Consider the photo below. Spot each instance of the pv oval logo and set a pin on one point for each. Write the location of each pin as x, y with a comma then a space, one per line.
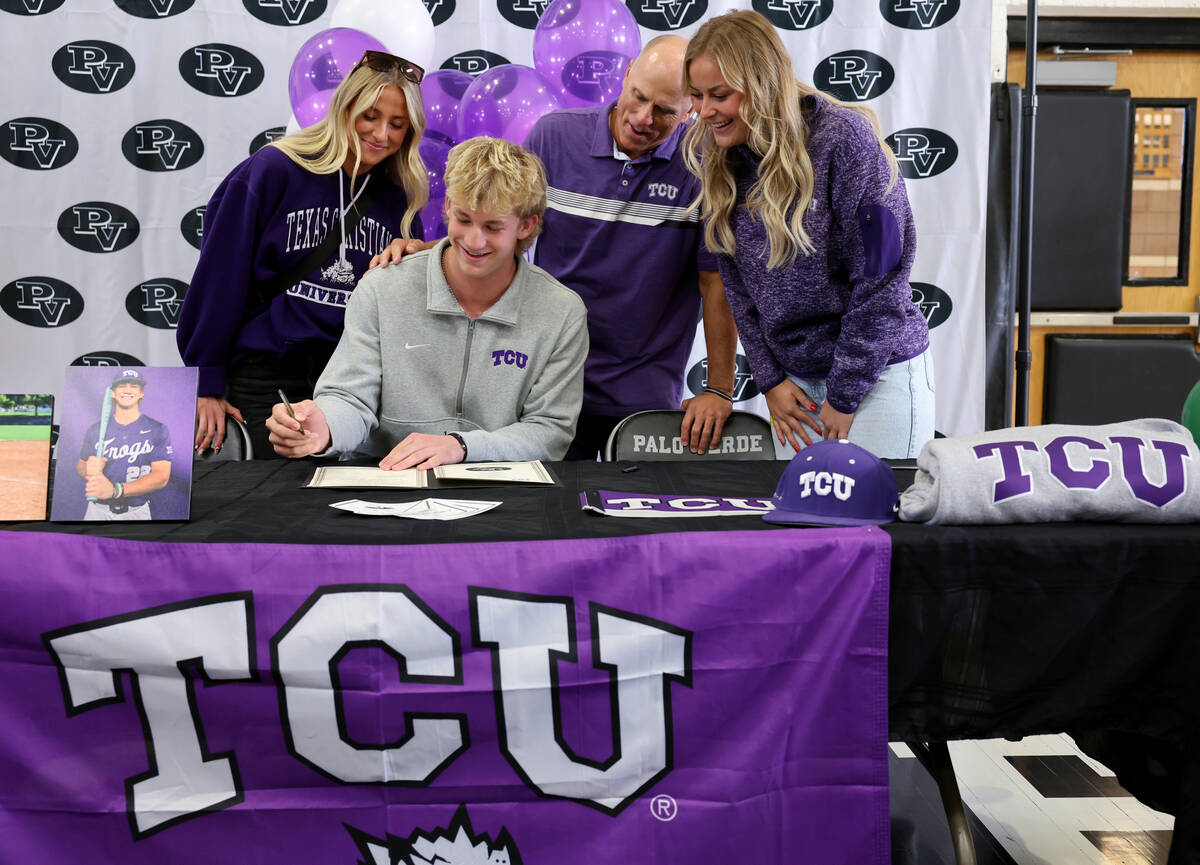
794, 14
162, 145
523, 13
594, 75
37, 143
475, 62
192, 226
106, 357
934, 303
30, 7
286, 13
922, 152
258, 142
98, 226
156, 302
93, 66
854, 76
744, 387
41, 301
154, 9
440, 10
221, 70
918, 14
667, 14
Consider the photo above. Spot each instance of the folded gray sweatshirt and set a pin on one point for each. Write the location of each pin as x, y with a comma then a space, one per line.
1141, 471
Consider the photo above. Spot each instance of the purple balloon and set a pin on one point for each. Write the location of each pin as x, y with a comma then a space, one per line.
320, 65
505, 102
433, 153
583, 48
441, 94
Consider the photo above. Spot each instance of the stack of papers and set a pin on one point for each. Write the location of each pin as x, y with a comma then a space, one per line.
425, 509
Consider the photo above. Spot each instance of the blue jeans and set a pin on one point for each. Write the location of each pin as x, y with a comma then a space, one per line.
895, 418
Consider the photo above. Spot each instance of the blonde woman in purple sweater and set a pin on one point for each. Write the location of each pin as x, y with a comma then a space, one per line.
803, 204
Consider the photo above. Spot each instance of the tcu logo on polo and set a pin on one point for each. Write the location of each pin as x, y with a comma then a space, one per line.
824, 484
508, 357
218, 64
523, 634
38, 140
1129, 449
664, 190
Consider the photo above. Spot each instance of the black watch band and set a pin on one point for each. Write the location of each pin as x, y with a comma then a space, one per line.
462, 442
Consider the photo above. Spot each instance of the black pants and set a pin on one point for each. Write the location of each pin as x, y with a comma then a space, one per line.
591, 435
254, 381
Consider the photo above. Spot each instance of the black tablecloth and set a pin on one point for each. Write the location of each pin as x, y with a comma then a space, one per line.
1089, 629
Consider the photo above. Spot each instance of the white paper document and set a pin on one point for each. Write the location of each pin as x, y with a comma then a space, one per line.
372, 477
424, 509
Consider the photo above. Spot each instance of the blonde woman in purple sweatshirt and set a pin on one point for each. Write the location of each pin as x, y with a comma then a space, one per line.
803, 204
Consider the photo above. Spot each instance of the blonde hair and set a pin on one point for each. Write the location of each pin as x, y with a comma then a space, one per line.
496, 176
324, 147
753, 61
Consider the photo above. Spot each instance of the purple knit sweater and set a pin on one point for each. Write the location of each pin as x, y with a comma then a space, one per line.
845, 311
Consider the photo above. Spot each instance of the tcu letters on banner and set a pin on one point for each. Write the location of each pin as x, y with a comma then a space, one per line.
455, 704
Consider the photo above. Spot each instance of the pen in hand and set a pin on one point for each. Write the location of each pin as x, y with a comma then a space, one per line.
286, 404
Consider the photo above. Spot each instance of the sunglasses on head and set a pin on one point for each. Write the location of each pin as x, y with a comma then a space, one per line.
381, 61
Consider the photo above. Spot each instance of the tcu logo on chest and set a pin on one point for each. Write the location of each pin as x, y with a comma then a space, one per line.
663, 190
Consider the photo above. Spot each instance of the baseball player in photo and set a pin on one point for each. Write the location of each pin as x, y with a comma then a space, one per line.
125, 456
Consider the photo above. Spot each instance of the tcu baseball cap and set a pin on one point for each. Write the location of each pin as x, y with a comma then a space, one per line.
835, 483
129, 376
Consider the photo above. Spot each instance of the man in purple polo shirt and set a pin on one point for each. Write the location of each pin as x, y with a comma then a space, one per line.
618, 232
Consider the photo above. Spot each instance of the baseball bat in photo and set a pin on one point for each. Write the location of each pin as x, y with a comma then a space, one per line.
105, 414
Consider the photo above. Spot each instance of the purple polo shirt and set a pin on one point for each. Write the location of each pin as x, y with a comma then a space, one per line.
618, 232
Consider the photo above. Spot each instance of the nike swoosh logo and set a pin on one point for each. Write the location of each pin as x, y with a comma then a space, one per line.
143, 431
422, 345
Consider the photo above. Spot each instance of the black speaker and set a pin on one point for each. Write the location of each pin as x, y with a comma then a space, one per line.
1082, 171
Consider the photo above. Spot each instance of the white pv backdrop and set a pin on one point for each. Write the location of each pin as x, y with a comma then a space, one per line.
122, 116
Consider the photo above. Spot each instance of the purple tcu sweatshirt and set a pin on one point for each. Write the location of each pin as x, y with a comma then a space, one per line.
845, 311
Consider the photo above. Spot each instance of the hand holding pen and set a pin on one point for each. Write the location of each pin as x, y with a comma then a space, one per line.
298, 430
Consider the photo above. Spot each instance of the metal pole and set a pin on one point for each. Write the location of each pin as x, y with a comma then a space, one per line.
1024, 357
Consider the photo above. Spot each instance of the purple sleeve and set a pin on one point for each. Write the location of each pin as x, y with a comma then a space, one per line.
873, 238
766, 370
216, 298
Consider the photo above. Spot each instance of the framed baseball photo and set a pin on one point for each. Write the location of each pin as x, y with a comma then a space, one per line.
25, 422
125, 444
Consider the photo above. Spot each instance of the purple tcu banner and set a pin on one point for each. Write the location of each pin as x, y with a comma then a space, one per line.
688, 698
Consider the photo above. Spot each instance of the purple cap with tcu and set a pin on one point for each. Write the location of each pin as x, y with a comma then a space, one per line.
835, 483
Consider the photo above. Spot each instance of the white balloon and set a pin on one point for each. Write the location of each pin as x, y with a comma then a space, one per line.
403, 26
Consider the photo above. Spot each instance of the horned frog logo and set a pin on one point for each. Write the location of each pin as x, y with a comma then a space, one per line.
457, 844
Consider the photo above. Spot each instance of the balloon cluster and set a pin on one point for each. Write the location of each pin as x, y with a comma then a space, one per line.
400, 27
581, 49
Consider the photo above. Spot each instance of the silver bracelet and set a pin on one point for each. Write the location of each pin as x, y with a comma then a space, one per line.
718, 393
